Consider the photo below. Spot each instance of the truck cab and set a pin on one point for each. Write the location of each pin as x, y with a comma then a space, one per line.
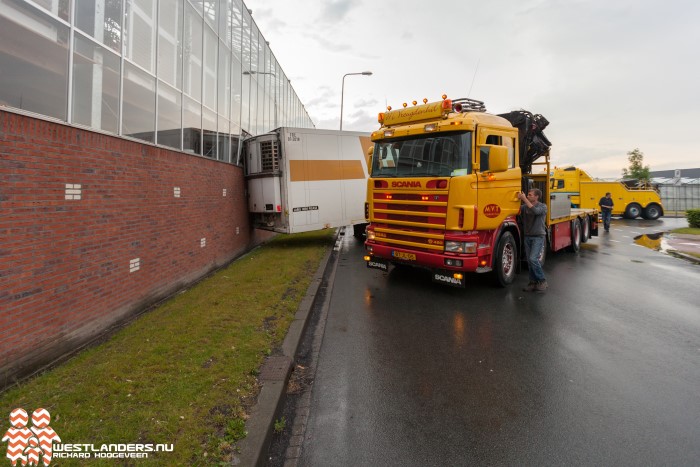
443, 186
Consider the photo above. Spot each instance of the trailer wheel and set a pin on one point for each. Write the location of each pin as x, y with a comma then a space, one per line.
585, 229
633, 211
575, 235
652, 212
505, 260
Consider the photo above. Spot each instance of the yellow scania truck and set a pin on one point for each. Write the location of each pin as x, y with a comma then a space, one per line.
443, 185
628, 201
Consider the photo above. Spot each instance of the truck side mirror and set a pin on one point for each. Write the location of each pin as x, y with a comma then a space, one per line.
498, 159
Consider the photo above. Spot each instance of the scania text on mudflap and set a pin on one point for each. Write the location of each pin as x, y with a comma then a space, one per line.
377, 264
443, 185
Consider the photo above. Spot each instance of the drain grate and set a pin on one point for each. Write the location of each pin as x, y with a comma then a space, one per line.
275, 369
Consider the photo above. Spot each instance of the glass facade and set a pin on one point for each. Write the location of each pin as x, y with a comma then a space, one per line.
192, 75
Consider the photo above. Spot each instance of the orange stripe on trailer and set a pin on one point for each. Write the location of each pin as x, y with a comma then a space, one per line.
318, 170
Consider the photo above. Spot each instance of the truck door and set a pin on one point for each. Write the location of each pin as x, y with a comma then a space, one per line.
496, 191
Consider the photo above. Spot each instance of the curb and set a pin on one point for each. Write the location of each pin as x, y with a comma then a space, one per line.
274, 376
681, 255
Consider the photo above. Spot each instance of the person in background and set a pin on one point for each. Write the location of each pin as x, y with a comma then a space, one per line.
533, 214
606, 205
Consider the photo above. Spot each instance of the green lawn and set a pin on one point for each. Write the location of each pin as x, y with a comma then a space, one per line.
184, 372
687, 230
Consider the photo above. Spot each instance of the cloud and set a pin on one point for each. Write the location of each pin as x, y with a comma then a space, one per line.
610, 76
272, 22
328, 43
364, 102
321, 98
337, 10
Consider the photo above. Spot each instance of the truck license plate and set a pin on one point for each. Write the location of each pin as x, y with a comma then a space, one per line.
403, 256
375, 263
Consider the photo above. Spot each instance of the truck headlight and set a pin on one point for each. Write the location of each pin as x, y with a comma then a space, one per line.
370, 235
460, 247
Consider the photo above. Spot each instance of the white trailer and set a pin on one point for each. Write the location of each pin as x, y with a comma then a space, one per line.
304, 179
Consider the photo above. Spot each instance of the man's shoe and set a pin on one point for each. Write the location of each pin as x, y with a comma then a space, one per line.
530, 287
541, 286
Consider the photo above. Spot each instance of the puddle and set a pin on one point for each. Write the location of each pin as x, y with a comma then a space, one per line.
655, 241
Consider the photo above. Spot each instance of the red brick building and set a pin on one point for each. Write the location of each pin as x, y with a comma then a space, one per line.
121, 179
94, 228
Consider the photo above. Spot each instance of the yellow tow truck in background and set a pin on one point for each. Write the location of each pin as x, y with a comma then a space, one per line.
630, 200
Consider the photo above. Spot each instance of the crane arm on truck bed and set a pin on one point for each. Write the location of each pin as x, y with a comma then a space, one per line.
532, 141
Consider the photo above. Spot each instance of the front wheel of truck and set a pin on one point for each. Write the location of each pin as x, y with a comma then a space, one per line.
505, 260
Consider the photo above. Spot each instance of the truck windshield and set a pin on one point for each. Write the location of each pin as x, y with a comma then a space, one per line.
441, 155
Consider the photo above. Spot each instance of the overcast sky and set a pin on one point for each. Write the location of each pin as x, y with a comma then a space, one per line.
609, 75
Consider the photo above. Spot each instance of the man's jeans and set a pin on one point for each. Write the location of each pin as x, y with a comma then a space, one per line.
607, 214
533, 250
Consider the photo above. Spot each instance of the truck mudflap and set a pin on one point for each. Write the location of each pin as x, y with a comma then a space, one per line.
377, 263
448, 277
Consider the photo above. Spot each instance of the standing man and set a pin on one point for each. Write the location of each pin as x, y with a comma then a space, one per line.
533, 214
606, 205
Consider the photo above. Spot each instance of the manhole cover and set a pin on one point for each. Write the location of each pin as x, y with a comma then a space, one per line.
275, 369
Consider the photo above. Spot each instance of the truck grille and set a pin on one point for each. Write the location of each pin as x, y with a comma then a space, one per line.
269, 156
416, 220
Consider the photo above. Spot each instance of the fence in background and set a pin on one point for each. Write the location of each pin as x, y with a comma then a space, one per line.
679, 198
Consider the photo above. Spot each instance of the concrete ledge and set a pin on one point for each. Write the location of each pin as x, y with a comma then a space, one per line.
681, 255
254, 447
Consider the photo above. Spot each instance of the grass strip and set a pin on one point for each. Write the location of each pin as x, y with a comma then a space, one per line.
687, 231
184, 372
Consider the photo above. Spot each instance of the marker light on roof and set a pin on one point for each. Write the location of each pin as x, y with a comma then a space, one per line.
415, 102
425, 101
405, 105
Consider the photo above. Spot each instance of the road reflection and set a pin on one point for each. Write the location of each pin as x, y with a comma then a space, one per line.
651, 241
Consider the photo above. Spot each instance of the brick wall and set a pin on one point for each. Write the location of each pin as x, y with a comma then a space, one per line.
95, 228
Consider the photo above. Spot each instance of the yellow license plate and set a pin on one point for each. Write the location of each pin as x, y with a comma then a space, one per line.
403, 256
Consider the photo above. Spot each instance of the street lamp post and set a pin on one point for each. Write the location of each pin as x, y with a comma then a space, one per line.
342, 92
275, 96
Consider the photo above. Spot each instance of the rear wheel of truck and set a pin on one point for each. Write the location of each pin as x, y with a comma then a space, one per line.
633, 211
505, 260
575, 235
652, 212
585, 229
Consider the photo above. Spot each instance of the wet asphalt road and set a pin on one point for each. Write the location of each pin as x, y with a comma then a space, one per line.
603, 369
